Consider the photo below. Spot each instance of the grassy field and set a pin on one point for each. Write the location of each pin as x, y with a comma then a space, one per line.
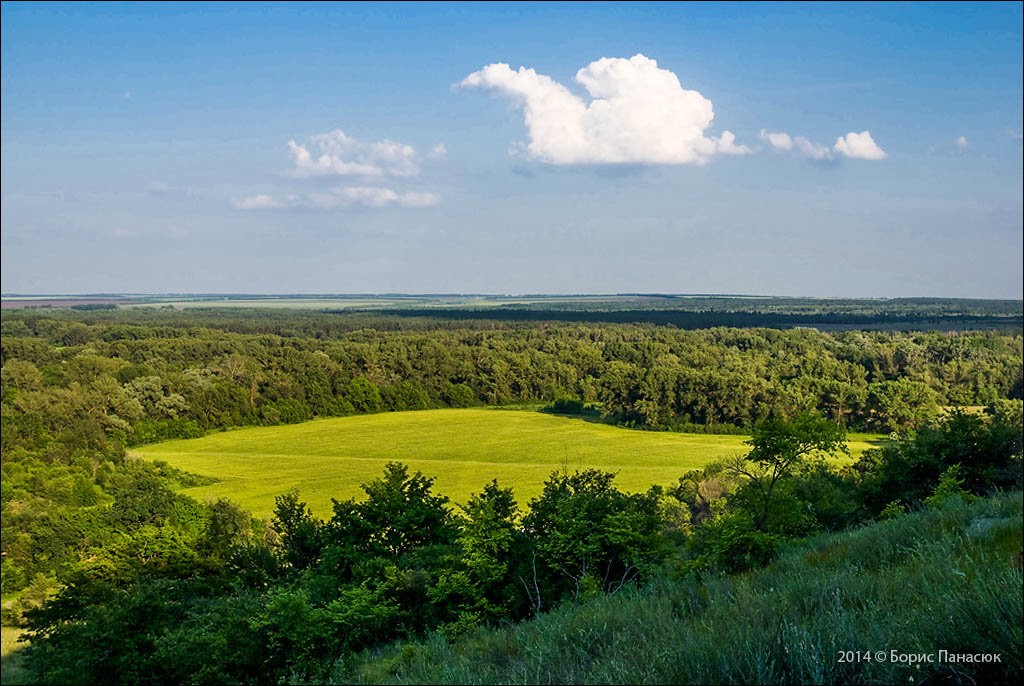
463, 449
12, 670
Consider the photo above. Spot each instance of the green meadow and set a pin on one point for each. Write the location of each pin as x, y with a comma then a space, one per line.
463, 449
13, 671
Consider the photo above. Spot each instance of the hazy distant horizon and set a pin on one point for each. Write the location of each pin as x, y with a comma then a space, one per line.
465, 294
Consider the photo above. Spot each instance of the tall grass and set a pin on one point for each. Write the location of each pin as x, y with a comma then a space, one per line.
941, 579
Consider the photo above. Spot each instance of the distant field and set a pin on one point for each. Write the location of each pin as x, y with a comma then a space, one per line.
342, 302
463, 449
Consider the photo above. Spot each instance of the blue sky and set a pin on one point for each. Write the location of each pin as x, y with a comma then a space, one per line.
383, 148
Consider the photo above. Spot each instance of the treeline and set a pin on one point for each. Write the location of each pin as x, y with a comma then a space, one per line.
181, 592
706, 319
286, 367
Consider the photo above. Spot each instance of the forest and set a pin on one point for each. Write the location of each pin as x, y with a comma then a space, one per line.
116, 577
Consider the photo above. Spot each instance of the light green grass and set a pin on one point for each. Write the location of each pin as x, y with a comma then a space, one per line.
463, 449
10, 642
13, 671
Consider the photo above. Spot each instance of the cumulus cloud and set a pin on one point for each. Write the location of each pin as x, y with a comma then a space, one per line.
336, 153
807, 148
726, 145
859, 146
779, 141
961, 143
855, 145
343, 197
638, 113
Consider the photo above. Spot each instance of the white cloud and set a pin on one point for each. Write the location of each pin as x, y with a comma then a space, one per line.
856, 145
343, 197
811, 149
340, 154
258, 202
961, 143
438, 152
860, 146
779, 141
419, 199
726, 145
638, 113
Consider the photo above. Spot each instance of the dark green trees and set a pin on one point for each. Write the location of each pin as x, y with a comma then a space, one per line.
778, 447
589, 537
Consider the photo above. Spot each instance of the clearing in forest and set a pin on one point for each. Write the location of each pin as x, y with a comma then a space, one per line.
462, 449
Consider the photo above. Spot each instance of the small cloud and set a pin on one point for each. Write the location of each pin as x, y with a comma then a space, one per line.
438, 152
803, 146
371, 196
258, 202
418, 199
726, 145
638, 113
812, 150
127, 95
779, 141
854, 145
342, 155
343, 197
860, 146
961, 143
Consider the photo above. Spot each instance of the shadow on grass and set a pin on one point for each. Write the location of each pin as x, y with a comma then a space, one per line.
12, 667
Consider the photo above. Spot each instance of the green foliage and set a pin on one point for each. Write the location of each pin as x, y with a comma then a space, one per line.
566, 406
121, 579
140, 497
301, 534
588, 536
950, 486
400, 512
494, 548
892, 510
786, 623
459, 395
778, 448
987, 450
731, 543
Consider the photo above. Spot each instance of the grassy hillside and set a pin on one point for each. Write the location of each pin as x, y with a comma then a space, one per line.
942, 579
464, 449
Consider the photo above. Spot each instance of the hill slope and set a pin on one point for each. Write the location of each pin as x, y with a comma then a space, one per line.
946, 579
